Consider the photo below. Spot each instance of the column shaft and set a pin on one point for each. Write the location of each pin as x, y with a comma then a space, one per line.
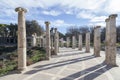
88, 42
111, 40
68, 42
48, 52
21, 39
97, 45
73, 42
80, 42
56, 41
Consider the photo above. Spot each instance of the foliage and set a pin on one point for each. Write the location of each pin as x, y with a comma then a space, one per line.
10, 30
61, 36
8, 60
33, 27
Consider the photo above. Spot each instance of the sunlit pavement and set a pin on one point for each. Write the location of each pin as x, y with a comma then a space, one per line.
69, 64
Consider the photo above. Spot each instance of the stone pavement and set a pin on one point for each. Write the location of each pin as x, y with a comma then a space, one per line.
70, 64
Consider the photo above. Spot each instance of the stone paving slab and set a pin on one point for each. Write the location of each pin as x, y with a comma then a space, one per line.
69, 64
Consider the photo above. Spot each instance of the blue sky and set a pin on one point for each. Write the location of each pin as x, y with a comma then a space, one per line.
61, 13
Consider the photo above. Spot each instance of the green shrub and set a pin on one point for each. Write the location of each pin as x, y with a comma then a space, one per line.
35, 54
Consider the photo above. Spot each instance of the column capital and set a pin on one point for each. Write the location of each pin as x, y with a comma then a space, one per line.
113, 16
106, 20
47, 23
97, 27
55, 29
19, 9
88, 32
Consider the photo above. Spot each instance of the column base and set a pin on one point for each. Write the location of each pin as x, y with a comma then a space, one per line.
110, 65
47, 58
22, 69
97, 55
80, 49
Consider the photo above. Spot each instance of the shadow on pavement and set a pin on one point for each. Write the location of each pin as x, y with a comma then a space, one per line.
59, 64
91, 73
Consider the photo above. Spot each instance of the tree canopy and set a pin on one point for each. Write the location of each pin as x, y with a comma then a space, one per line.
10, 30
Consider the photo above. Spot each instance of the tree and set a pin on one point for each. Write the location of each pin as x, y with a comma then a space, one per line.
33, 27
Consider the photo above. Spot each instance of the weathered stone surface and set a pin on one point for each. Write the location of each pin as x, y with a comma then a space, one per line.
73, 42
68, 42
21, 38
97, 44
56, 41
34, 41
111, 40
48, 52
62, 44
87, 42
80, 42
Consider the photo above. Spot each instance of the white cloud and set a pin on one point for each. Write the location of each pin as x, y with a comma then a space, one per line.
85, 15
56, 23
112, 6
102, 24
85, 9
60, 23
83, 4
98, 19
52, 13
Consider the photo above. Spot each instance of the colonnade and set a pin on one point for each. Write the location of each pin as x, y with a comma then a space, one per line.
110, 50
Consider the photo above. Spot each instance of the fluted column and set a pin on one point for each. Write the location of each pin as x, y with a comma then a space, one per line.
111, 40
80, 42
73, 42
56, 41
21, 38
48, 52
97, 45
88, 42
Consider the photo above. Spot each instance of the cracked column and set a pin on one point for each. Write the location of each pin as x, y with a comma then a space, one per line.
73, 42
80, 42
48, 52
56, 41
97, 45
68, 42
21, 38
87, 42
111, 40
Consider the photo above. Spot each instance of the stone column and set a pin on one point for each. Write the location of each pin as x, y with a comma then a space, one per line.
40, 42
34, 41
56, 42
97, 45
68, 42
62, 44
111, 40
73, 42
87, 42
48, 52
21, 38
106, 40
80, 42
43, 42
